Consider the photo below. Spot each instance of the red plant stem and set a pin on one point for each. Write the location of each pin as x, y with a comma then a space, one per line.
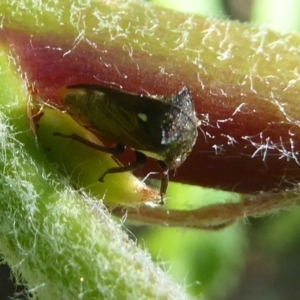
244, 82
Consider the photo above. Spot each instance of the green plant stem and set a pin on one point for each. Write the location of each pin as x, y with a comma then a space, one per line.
64, 244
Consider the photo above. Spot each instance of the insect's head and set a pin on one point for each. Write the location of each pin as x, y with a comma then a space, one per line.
179, 129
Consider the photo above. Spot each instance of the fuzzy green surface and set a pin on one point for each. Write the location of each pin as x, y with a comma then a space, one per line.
64, 244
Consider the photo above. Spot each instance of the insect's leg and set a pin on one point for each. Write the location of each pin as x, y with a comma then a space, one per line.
140, 161
119, 149
164, 181
163, 185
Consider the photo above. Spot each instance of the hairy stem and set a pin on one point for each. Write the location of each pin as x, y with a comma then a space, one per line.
63, 243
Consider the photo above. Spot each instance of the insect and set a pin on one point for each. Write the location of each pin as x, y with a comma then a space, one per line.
161, 127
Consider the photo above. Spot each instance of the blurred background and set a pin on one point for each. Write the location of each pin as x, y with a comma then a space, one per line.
253, 259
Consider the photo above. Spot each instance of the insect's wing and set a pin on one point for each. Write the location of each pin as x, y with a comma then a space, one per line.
163, 126
114, 115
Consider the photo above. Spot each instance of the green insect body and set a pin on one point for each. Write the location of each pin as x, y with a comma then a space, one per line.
161, 127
